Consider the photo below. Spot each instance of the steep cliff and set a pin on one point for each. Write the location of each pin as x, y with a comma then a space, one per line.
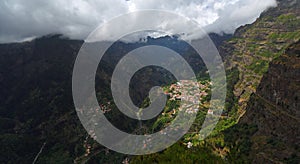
254, 46
275, 110
263, 77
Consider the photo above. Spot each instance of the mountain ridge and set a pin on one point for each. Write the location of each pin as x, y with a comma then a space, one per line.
37, 108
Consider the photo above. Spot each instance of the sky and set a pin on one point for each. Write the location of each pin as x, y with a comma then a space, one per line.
22, 20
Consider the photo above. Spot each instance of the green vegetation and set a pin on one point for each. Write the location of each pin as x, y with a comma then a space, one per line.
289, 20
238, 138
178, 153
259, 67
283, 36
231, 100
44, 113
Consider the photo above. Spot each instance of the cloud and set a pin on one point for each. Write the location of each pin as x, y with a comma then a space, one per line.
21, 19
240, 13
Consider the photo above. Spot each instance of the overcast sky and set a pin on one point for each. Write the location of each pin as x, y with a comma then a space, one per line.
24, 19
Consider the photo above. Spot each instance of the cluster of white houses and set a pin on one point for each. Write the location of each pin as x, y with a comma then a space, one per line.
190, 92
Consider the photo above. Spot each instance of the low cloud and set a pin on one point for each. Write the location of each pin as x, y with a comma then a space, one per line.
21, 20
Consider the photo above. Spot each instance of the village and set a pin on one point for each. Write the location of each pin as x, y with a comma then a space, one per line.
193, 94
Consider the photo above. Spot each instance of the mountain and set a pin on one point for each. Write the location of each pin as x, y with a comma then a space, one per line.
36, 101
37, 108
264, 57
254, 46
269, 131
247, 134
274, 110
38, 120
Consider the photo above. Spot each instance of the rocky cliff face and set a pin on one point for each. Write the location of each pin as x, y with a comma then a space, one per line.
254, 46
36, 103
266, 55
275, 110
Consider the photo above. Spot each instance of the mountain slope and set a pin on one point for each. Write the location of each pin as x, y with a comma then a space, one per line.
248, 55
275, 110
36, 102
36, 105
254, 46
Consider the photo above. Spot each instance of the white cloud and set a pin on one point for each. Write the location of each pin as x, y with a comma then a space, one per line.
77, 18
240, 13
